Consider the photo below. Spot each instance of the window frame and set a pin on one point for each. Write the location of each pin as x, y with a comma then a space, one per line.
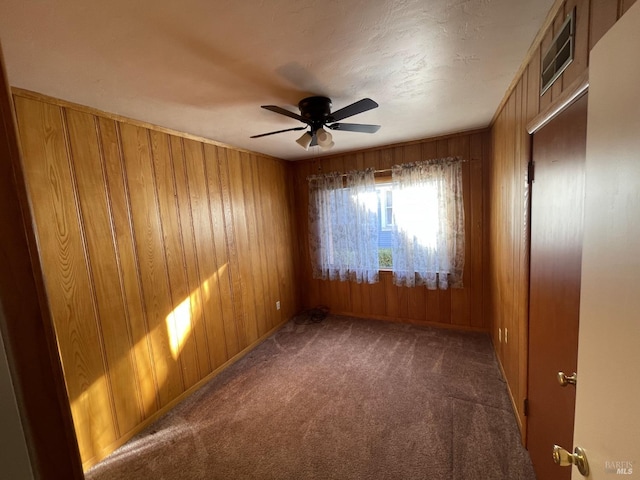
386, 180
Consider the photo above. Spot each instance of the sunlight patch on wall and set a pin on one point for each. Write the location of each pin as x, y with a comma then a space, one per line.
181, 319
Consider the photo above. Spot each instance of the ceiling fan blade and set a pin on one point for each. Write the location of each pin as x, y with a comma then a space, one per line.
355, 127
283, 111
353, 109
278, 131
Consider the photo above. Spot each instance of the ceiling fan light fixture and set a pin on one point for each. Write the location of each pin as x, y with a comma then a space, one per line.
325, 140
305, 140
327, 146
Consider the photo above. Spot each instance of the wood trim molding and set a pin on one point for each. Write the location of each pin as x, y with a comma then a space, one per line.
529, 56
20, 92
566, 98
446, 136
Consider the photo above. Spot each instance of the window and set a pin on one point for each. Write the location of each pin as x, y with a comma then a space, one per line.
428, 232
385, 197
413, 225
343, 226
385, 209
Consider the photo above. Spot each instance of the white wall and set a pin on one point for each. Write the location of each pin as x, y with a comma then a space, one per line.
14, 457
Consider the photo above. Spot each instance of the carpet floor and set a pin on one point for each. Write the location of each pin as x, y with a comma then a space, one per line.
343, 399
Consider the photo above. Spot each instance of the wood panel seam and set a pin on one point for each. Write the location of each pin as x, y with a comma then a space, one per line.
226, 243
134, 242
196, 255
167, 279
213, 246
118, 265
86, 257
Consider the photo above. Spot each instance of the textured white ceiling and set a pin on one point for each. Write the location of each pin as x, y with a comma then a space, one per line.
205, 67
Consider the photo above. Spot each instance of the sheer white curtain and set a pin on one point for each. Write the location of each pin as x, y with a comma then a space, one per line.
428, 224
343, 226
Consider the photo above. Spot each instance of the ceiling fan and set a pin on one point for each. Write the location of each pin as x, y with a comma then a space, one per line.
316, 113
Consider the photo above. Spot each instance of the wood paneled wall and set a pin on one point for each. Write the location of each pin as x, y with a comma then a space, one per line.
462, 308
163, 259
509, 195
27, 331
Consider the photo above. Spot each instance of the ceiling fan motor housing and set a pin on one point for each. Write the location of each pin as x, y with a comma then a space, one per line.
316, 109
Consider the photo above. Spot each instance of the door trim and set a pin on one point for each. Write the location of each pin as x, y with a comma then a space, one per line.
566, 98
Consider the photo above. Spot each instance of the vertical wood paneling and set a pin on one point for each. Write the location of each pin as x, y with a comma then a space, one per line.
266, 179
49, 181
121, 243
151, 256
625, 5
508, 291
192, 271
232, 249
207, 267
459, 307
115, 332
249, 326
267, 254
355, 293
179, 319
476, 219
220, 246
390, 296
603, 14
377, 297
128, 267
289, 238
148, 283
254, 243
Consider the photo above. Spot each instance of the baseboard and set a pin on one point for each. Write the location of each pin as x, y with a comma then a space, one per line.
106, 451
514, 404
410, 321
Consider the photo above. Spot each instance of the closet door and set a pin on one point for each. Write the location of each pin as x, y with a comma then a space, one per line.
556, 249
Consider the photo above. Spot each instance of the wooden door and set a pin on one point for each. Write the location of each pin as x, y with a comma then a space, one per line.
607, 419
556, 250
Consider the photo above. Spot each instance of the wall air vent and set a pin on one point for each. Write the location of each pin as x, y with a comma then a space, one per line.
559, 54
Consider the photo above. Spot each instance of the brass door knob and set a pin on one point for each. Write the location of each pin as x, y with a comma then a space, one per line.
577, 458
565, 380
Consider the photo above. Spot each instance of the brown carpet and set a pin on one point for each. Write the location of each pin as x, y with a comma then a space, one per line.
343, 399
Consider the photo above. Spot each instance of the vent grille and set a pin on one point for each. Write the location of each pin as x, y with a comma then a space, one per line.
559, 54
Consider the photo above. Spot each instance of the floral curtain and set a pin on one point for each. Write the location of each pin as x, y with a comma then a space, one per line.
428, 224
343, 226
